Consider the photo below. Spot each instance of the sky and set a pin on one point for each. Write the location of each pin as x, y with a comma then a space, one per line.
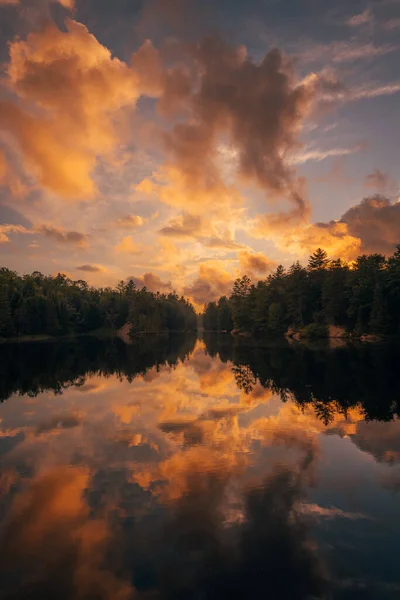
184, 143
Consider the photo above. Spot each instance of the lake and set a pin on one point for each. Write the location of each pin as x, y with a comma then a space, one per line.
184, 468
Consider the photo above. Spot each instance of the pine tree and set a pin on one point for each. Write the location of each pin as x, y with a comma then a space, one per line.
318, 261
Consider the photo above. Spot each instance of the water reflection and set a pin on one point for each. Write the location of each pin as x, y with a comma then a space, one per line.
181, 469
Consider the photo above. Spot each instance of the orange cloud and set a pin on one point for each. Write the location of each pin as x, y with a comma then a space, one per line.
152, 282
255, 263
130, 221
127, 245
69, 87
335, 237
69, 4
212, 282
7, 229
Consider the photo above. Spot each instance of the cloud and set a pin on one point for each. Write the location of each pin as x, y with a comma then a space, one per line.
222, 242
255, 263
185, 225
90, 268
377, 180
360, 19
215, 232
130, 221
371, 226
318, 155
6, 228
64, 237
69, 4
212, 282
376, 222
127, 246
69, 90
392, 24
335, 237
345, 51
9, 177
374, 91
258, 107
152, 282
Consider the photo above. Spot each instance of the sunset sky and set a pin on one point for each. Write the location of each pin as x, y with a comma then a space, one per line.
185, 143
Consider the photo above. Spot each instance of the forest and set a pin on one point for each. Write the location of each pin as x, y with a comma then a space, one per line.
362, 297
36, 304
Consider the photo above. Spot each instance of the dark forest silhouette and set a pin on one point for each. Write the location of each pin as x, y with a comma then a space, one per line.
362, 298
37, 304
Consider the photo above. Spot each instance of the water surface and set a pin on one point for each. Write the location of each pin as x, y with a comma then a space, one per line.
199, 469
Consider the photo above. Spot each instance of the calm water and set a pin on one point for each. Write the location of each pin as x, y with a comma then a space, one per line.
199, 469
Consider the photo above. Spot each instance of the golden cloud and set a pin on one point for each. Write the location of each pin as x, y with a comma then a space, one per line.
212, 282
127, 246
69, 88
255, 263
334, 237
152, 282
130, 221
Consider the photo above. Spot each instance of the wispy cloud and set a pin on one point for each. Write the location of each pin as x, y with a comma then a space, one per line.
360, 19
318, 154
343, 52
392, 24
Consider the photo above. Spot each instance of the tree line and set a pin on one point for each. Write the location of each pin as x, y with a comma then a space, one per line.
36, 304
362, 297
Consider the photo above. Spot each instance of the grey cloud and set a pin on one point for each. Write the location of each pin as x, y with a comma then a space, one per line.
65, 237
377, 180
89, 268
376, 221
